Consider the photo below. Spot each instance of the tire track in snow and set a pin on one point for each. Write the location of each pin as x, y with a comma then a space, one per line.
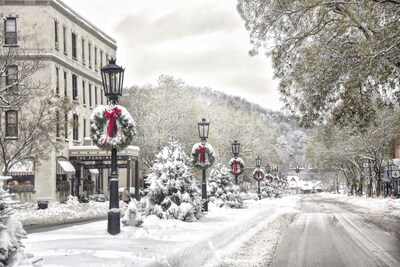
260, 248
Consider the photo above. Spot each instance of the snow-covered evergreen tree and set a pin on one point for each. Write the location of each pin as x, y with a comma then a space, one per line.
221, 191
11, 233
173, 193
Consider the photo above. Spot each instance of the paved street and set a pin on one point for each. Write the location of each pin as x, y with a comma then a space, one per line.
327, 233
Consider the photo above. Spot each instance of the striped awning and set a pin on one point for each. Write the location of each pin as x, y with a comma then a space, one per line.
21, 168
65, 167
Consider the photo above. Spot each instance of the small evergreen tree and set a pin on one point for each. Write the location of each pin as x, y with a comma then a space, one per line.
173, 193
221, 191
11, 233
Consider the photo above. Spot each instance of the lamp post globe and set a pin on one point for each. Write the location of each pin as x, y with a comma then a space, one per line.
204, 127
258, 162
112, 76
235, 148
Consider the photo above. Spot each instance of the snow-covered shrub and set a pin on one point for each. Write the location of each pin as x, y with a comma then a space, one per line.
11, 232
221, 191
173, 193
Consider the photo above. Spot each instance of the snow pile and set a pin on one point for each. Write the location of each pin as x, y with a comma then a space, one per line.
371, 205
221, 191
57, 213
173, 193
133, 216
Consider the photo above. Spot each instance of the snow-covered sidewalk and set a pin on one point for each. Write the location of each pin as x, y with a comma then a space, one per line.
157, 242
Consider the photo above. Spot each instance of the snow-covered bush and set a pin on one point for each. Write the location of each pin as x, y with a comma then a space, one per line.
173, 193
221, 191
11, 232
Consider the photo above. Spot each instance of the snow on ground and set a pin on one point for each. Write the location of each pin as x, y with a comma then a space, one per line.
57, 213
217, 239
372, 205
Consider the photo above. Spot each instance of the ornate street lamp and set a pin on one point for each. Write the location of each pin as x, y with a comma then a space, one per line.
112, 76
235, 152
258, 174
204, 127
367, 169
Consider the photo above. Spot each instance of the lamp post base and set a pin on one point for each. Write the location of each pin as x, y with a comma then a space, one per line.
114, 225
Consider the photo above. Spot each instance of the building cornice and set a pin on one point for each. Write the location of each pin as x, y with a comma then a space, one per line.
69, 13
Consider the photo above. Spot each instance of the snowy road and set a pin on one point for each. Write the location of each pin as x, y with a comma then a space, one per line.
328, 233
297, 230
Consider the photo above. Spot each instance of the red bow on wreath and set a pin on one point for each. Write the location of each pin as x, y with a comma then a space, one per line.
202, 151
112, 116
235, 169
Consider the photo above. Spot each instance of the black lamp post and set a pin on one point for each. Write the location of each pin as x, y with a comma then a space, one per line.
203, 134
235, 152
113, 76
258, 164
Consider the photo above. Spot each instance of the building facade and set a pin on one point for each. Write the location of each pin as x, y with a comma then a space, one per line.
75, 51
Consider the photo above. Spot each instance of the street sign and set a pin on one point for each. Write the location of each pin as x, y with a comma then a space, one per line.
395, 174
103, 166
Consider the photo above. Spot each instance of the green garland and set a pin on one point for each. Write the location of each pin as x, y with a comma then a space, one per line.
124, 136
209, 160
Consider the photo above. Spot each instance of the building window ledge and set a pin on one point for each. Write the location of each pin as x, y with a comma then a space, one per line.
10, 45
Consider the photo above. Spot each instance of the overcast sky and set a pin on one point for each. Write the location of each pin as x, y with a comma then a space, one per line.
202, 42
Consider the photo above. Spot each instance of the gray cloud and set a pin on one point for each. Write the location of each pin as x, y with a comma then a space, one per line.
203, 47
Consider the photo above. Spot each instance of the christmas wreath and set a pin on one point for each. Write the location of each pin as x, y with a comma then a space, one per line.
258, 174
117, 117
269, 177
203, 156
237, 166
